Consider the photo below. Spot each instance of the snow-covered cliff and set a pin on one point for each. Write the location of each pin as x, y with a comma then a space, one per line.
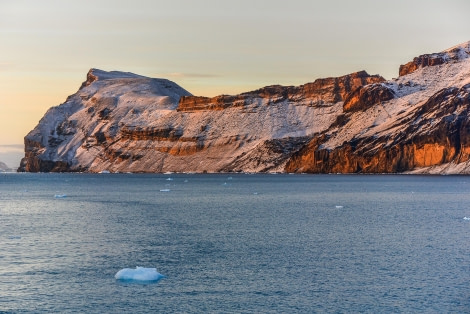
422, 126
122, 122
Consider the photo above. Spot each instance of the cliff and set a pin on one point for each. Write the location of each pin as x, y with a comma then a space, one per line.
357, 123
418, 123
322, 91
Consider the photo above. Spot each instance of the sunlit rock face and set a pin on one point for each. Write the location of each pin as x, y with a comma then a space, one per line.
367, 96
418, 123
357, 123
322, 91
453, 54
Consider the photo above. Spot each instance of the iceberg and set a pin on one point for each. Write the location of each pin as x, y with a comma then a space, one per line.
139, 274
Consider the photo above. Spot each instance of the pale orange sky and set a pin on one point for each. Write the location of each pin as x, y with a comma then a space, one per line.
209, 47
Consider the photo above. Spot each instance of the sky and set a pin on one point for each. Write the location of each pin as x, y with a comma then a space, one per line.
209, 47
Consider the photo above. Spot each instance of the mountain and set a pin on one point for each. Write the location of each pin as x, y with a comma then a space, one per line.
357, 123
4, 167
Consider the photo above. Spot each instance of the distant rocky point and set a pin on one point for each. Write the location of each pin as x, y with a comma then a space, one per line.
357, 123
4, 167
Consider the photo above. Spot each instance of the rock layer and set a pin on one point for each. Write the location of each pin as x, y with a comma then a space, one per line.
327, 90
367, 96
453, 54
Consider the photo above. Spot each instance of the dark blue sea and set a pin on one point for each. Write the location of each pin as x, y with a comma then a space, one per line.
235, 243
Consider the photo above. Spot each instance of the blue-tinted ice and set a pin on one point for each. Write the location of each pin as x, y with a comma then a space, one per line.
139, 274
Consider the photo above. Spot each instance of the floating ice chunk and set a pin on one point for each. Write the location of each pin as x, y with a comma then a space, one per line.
104, 171
185, 181
466, 218
139, 274
229, 178
165, 190
339, 206
60, 196
169, 179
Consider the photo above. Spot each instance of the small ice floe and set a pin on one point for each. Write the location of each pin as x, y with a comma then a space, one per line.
165, 190
139, 275
104, 171
339, 206
229, 178
466, 218
60, 196
169, 179
255, 193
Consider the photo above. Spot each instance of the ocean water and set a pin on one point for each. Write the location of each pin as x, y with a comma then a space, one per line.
235, 243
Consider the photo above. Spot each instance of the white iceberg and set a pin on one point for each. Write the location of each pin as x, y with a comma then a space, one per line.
139, 274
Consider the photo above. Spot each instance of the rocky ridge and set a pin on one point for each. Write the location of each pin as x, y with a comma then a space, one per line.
357, 123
